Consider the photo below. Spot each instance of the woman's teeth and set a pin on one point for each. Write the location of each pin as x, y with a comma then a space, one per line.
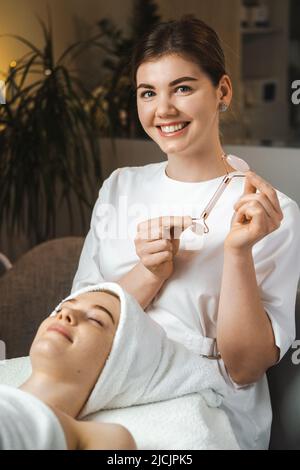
170, 129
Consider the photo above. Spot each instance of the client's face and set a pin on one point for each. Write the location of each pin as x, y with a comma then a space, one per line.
74, 344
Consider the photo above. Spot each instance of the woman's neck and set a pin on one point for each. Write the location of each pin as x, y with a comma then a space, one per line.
55, 393
202, 166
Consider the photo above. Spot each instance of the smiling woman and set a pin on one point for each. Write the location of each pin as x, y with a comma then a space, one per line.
187, 107
231, 297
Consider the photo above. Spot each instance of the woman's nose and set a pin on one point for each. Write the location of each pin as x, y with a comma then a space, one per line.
68, 315
165, 107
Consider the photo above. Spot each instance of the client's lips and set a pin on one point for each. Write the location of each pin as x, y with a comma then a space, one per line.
62, 330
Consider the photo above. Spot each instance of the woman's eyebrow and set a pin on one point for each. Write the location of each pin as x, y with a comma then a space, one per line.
174, 82
99, 307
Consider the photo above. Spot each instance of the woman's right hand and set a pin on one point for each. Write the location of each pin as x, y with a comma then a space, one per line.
157, 243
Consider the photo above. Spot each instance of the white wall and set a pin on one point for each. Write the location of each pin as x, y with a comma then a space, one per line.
279, 166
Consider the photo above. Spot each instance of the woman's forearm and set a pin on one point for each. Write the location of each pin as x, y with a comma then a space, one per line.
141, 284
244, 332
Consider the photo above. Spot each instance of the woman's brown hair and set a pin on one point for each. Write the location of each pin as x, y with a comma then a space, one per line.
188, 37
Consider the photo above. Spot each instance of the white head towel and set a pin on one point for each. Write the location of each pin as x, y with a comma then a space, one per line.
144, 366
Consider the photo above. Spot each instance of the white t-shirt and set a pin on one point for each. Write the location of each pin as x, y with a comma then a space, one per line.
187, 305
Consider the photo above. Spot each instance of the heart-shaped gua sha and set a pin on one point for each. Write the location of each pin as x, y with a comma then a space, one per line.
192, 238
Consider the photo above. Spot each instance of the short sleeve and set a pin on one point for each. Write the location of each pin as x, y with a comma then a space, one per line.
277, 265
89, 269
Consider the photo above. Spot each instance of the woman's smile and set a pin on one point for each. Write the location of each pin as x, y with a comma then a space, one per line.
173, 129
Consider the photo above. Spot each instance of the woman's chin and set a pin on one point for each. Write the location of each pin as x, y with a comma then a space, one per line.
48, 347
178, 148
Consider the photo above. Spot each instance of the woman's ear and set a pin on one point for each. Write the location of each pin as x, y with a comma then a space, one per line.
225, 92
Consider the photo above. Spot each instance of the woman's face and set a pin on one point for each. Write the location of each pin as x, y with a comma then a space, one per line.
178, 105
74, 344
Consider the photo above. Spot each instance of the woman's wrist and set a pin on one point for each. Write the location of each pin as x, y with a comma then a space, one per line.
141, 284
237, 252
148, 276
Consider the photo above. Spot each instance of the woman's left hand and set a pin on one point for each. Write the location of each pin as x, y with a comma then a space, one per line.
256, 214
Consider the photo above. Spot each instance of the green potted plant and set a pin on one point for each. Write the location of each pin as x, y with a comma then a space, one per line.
49, 139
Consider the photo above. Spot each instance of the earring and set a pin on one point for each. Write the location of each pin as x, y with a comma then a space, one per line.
223, 107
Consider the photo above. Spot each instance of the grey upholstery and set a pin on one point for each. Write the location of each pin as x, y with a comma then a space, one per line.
32, 288
284, 383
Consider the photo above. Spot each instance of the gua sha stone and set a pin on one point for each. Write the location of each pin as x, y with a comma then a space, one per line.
237, 163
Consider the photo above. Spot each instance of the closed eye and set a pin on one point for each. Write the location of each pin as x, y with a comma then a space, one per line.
99, 322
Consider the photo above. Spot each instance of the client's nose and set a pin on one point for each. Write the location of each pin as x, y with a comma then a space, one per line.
68, 315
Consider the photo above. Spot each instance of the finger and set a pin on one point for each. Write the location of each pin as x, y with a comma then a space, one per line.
249, 188
148, 225
157, 246
261, 199
154, 233
169, 227
256, 216
157, 258
265, 187
246, 213
179, 224
175, 221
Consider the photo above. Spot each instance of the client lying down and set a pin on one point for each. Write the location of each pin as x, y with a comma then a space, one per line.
67, 356
98, 350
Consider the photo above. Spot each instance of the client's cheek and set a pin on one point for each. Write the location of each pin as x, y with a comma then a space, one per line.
42, 328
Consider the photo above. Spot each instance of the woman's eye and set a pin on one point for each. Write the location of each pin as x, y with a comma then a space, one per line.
183, 89
99, 322
147, 94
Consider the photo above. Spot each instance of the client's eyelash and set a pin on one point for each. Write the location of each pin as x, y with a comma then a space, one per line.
97, 321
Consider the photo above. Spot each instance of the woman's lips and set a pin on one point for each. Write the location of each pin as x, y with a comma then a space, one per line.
60, 329
173, 134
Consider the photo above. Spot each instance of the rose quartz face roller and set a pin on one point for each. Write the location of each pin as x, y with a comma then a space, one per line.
239, 165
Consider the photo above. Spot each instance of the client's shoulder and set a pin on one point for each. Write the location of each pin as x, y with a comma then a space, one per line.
89, 435
104, 436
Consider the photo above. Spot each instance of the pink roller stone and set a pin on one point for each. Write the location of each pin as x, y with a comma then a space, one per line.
237, 163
